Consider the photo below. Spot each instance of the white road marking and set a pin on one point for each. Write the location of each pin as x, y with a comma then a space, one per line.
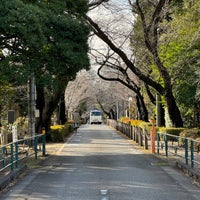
104, 194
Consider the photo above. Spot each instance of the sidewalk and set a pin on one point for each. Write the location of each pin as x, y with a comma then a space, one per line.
9, 178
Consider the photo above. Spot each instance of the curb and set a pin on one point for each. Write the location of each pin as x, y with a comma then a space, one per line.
189, 171
4, 181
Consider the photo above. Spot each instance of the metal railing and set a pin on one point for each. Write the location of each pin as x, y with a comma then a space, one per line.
138, 134
185, 149
11, 154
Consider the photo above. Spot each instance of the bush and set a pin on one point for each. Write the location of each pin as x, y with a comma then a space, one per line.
58, 133
171, 131
68, 128
132, 122
191, 133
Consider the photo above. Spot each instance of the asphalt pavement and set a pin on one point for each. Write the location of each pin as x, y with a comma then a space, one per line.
99, 163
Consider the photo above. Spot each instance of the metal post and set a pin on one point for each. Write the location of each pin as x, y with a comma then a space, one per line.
44, 145
158, 143
131, 132
153, 136
145, 140
16, 154
166, 145
192, 152
11, 157
35, 146
186, 151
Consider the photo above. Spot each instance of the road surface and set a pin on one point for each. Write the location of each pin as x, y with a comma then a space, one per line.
97, 163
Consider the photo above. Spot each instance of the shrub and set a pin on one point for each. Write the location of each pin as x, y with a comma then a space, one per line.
171, 131
139, 123
68, 128
145, 125
132, 122
58, 133
191, 133
124, 120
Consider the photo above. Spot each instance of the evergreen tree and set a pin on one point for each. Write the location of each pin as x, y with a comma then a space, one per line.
41, 37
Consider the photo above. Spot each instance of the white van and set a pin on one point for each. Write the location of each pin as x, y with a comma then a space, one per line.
96, 117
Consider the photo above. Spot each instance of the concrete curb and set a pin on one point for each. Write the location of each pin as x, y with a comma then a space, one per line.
4, 181
194, 174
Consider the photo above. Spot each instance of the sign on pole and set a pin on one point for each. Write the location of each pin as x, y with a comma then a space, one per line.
14, 134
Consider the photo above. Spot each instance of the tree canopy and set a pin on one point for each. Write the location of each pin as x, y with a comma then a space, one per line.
43, 38
179, 50
165, 46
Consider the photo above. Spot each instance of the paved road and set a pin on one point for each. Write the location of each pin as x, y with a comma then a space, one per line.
99, 164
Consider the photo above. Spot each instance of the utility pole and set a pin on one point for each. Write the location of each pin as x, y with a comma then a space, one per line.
31, 105
117, 110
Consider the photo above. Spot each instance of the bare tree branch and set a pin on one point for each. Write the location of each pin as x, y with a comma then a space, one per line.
97, 30
95, 3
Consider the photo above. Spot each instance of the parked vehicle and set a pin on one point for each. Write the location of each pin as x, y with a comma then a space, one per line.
96, 117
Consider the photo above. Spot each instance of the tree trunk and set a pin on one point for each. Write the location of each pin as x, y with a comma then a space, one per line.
153, 101
173, 110
46, 108
143, 112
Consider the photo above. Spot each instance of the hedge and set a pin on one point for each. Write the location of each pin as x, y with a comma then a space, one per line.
58, 133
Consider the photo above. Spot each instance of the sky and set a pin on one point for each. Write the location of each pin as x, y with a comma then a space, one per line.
117, 20
120, 2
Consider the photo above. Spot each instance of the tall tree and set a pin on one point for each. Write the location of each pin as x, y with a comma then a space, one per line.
150, 26
179, 51
41, 37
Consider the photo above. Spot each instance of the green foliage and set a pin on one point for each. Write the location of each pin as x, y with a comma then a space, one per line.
6, 91
56, 136
22, 35
191, 133
79, 7
42, 37
171, 131
180, 47
179, 50
59, 134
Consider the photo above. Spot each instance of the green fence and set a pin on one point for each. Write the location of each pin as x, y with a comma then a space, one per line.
186, 149
11, 154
